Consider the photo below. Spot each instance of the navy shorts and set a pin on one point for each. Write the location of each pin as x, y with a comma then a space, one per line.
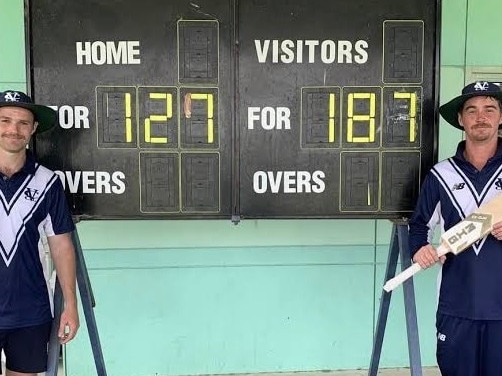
26, 348
469, 347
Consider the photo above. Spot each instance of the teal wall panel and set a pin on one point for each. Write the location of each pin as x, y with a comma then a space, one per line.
481, 43
212, 233
13, 65
13, 86
228, 257
383, 231
269, 309
395, 345
454, 23
452, 82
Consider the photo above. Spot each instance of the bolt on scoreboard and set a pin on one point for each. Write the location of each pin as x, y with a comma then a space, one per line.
237, 108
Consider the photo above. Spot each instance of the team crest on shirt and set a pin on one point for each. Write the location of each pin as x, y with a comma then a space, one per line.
498, 184
18, 211
31, 194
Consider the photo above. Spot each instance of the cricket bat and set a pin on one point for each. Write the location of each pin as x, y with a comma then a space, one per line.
459, 237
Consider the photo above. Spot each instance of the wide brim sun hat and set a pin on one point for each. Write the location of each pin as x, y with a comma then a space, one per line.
45, 116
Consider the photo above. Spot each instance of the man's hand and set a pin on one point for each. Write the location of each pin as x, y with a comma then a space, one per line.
427, 256
497, 230
68, 325
63, 255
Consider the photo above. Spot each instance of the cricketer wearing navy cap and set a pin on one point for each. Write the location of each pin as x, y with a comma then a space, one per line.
45, 116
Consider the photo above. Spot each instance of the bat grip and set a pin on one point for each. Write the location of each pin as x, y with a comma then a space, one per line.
409, 272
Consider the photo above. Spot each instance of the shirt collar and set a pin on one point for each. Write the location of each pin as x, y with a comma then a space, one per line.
461, 148
29, 164
29, 167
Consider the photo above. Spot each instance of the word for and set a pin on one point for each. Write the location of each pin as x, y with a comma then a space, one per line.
269, 117
72, 117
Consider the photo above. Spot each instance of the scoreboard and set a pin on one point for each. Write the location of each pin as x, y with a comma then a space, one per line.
228, 108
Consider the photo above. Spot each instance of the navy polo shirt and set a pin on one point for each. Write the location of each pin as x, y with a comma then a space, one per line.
32, 203
470, 282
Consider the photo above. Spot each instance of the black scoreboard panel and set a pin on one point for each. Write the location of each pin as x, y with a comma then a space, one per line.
144, 94
336, 106
257, 108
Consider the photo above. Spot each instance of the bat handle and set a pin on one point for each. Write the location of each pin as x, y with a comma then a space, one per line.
409, 272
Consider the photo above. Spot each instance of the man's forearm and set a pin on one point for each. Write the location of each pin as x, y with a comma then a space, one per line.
63, 256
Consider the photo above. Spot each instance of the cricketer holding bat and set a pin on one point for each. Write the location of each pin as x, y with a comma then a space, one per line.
32, 203
469, 312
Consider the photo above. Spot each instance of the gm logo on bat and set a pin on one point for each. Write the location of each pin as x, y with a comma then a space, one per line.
478, 222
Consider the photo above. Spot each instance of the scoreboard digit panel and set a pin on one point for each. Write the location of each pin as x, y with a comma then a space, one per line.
143, 90
337, 106
220, 108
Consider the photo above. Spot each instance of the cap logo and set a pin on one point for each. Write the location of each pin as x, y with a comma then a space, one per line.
12, 96
481, 86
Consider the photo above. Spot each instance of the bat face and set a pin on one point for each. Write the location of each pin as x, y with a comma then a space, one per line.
467, 232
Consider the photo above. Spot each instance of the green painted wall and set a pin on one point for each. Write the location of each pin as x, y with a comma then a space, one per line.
207, 296
12, 46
